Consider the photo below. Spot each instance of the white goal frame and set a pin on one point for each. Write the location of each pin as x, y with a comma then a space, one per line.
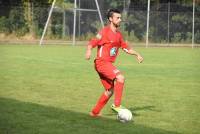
75, 9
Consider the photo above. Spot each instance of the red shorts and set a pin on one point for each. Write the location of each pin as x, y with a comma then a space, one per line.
107, 73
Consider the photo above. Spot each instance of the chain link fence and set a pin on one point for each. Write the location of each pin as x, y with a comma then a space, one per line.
170, 24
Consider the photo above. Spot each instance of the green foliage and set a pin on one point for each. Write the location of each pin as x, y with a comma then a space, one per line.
17, 22
113, 4
56, 24
177, 37
4, 25
39, 18
130, 36
197, 37
31, 18
134, 27
86, 36
188, 37
65, 4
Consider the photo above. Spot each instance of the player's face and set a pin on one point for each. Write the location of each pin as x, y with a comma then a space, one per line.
116, 19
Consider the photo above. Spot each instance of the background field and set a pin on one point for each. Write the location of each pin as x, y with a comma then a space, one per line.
51, 89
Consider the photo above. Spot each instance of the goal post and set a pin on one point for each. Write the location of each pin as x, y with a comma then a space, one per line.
46, 25
75, 9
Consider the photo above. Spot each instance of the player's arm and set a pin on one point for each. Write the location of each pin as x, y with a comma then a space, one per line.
88, 52
92, 43
133, 52
130, 51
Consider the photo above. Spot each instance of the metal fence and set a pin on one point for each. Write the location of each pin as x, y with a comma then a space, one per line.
170, 24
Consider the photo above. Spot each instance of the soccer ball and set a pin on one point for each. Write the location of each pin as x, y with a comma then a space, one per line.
124, 115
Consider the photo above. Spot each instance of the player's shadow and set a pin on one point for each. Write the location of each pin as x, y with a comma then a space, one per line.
136, 110
29, 118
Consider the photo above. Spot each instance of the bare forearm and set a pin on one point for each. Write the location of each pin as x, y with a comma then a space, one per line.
89, 47
132, 52
88, 52
136, 54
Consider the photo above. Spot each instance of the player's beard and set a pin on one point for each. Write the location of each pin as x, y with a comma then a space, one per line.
116, 25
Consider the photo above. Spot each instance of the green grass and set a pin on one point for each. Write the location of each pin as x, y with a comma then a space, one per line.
51, 89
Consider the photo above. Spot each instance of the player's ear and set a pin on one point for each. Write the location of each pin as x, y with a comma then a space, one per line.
110, 19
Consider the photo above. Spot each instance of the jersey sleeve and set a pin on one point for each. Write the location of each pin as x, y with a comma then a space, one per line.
124, 45
97, 40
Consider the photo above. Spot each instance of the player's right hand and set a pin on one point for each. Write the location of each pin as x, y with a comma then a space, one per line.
88, 54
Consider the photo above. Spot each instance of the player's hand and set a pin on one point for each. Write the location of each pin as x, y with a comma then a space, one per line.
88, 54
139, 58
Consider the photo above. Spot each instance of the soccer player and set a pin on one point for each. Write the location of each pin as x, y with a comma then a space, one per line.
108, 41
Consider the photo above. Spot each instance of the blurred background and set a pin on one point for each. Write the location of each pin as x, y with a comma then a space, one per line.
171, 22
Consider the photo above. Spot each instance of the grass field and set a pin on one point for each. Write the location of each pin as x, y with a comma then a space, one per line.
51, 89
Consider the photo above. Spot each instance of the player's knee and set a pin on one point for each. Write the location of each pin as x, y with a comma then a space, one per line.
120, 78
109, 92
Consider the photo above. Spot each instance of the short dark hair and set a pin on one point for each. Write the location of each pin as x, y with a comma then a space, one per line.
111, 11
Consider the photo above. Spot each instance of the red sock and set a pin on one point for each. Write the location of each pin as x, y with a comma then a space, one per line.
100, 103
118, 89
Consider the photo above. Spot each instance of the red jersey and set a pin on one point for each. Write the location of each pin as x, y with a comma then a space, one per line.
108, 43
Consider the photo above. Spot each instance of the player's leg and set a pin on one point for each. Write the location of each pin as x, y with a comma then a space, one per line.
108, 85
107, 70
118, 90
111, 72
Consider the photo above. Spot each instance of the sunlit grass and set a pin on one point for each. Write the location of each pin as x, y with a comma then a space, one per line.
51, 89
